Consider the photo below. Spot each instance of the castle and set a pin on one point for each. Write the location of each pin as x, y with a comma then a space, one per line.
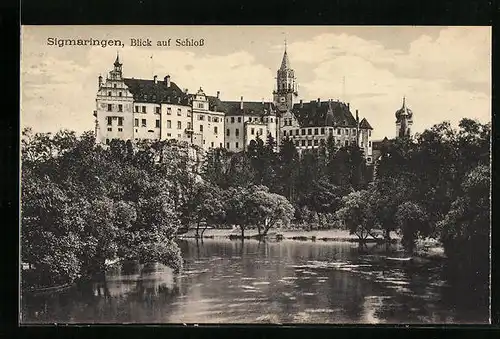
157, 109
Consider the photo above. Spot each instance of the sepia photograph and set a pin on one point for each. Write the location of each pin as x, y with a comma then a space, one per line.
255, 175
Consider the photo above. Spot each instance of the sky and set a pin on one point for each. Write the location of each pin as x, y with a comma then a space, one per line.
444, 72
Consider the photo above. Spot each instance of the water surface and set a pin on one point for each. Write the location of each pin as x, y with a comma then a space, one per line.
226, 281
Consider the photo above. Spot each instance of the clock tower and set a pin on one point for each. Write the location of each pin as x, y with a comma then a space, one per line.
286, 86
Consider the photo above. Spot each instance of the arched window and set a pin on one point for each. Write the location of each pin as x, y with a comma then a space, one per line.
107, 141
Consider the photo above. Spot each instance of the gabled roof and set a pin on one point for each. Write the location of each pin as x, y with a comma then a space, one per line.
148, 91
364, 124
324, 113
253, 108
216, 105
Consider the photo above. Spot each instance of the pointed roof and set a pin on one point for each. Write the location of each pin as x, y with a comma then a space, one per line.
364, 124
117, 61
285, 63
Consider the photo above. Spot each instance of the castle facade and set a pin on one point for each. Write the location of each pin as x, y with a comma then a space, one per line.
157, 109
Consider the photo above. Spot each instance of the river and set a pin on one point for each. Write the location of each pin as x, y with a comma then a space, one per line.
225, 281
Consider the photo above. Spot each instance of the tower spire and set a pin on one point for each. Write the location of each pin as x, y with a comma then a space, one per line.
117, 61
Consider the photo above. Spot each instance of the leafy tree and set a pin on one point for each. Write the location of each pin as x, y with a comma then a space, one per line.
357, 214
412, 221
268, 209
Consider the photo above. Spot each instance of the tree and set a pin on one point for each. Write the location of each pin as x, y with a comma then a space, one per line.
465, 229
357, 214
268, 209
412, 221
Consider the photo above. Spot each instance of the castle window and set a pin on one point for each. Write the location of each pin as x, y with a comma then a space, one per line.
284, 133
303, 142
260, 131
119, 94
107, 141
315, 131
136, 123
189, 125
143, 109
136, 109
309, 131
303, 131
271, 119
322, 130
237, 132
200, 105
209, 118
362, 144
189, 112
120, 129
228, 132
346, 131
120, 121
114, 85
110, 129
232, 120
109, 94
309, 142
297, 143
227, 144
110, 119
169, 124
157, 123
120, 108
237, 145
239, 119
215, 131
316, 142
143, 122
252, 131
369, 133
201, 128
110, 107
179, 125
347, 143
157, 109
353, 132
215, 119
369, 144
169, 134
169, 110
297, 132
339, 131
212, 144
201, 117
178, 111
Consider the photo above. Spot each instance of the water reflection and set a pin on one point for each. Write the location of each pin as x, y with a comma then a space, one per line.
284, 282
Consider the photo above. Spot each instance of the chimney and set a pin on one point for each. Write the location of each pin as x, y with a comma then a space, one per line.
186, 91
357, 116
155, 78
218, 93
319, 102
241, 102
301, 104
167, 80
100, 81
262, 101
348, 106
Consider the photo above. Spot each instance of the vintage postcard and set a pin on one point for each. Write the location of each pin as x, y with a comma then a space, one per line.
260, 174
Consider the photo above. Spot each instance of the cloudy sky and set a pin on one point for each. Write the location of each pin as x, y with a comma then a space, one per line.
444, 72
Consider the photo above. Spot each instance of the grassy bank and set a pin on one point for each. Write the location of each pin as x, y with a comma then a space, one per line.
326, 235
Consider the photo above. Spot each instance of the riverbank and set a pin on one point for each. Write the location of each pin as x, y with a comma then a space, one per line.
315, 235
